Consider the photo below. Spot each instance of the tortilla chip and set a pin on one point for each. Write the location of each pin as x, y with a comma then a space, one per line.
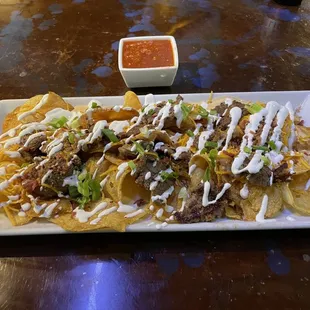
131, 100
252, 204
54, 101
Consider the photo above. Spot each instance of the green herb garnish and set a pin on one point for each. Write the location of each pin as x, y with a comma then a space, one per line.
186, 110
265, 160
203, 112
71, 137
272, 145
24, 165
190, 133
139, 148
132, 165
75, 123
58, 122
170, 100
151, 112
213, 112
110, 135
260, 148
247, 150
211, 144
203, 151
168, 176
254, 108
87, 189
213, 155
206, 176
94, 105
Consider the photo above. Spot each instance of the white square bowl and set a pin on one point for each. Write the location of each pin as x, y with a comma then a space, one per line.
147, 77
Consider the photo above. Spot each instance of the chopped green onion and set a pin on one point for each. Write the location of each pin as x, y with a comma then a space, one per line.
75, 123
190, 133
203, 151
272, 145
213, 112
143, 109
203, 112
170, 100
213, 155
254, 108
151, 112
110, 135
185, 110
58, 122
94, 105
131, 165
211, 144
95, 190
247, 150
139, 148
265, 160
206, 176
168, 176
24, 165
260, 148
71, 137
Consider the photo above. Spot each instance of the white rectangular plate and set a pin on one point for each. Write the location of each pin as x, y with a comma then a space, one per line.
286, 220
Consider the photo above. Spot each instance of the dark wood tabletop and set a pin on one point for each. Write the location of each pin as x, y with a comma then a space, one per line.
70, 47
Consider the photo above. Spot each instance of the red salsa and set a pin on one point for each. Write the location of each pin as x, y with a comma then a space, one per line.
147, 54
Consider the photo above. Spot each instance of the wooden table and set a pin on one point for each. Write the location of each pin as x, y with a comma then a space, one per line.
70, 47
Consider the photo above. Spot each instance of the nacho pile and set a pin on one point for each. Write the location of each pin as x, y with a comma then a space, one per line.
96, 167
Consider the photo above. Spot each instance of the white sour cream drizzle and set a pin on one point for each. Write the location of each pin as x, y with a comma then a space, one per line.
48, 210
307, 186
147, 175
26, 206
292, 136
162, 115
192, 169
244, 192
46, 176
83, 216
126, 208
135, 213
103, 182
235, 115
33, 136
12, 141
118, 126
206, 191
160, 213
10, 133
102, 214
178, 114
71, 181
164, 196
121, 169
37, 107
12, 154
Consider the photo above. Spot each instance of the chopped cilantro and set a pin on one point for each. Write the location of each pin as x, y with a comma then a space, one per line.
203, 151
170, 100
190, 133
213, 112
110, 135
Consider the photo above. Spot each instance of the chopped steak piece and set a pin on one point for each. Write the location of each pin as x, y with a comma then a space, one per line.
195, 212
262, 178
36, 175
126, 153
282, 174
